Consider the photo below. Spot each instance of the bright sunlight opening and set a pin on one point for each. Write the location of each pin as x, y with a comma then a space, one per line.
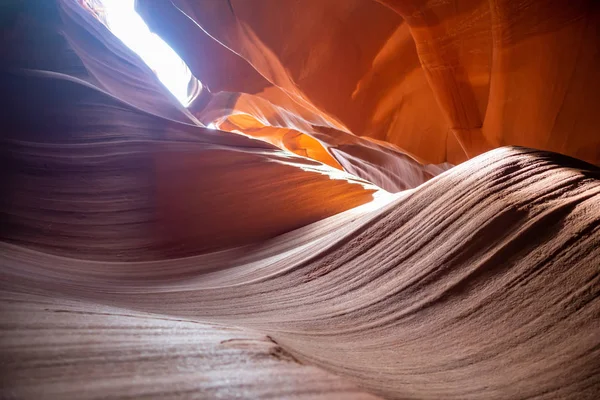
127, 25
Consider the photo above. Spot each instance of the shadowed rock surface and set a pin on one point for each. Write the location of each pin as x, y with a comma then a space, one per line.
145, 255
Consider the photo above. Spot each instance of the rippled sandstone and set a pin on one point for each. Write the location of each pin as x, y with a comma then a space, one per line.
319, 243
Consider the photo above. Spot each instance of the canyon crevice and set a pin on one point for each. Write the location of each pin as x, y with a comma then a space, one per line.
365, 199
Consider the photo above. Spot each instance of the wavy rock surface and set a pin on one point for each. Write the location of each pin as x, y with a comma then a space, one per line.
145, 255
57, 348
482, 283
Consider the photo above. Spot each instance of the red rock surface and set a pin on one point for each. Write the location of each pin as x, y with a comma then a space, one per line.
143, 254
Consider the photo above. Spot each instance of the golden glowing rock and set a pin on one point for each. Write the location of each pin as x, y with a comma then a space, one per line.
444, 81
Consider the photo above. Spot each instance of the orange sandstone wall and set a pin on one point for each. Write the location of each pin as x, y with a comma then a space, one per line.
443, 81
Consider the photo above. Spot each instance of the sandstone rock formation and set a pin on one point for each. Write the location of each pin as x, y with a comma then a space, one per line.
144, 254
443, 80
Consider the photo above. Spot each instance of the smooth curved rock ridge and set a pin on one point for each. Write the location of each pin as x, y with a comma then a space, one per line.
140, 185
145, 255
481, 283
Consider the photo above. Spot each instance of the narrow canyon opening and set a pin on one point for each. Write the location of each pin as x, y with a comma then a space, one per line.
125, 23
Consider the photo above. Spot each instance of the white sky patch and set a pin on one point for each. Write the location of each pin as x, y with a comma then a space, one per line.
128, 26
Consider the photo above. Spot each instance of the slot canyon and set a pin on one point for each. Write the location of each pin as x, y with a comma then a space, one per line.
349, 199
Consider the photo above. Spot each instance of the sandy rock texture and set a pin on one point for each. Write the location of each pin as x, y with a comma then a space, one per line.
401, 200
